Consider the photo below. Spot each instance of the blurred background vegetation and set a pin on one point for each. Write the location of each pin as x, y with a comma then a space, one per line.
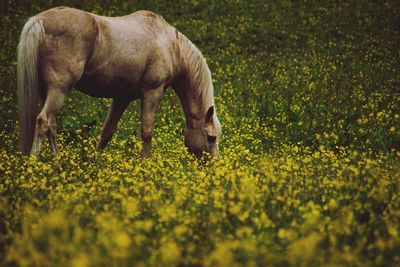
303, 71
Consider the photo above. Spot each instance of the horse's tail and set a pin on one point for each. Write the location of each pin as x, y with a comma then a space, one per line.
28, 80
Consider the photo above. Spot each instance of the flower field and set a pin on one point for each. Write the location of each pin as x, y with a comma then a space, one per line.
309, 168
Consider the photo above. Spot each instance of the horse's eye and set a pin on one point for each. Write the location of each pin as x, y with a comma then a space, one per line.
211, 139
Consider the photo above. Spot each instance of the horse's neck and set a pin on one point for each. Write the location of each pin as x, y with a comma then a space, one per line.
191, 107
194, 85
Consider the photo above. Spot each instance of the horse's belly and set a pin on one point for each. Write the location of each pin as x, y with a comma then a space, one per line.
108, 87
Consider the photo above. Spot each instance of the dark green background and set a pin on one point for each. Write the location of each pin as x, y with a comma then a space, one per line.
308, 71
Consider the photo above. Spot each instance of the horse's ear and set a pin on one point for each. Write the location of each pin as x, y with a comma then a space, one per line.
210, 114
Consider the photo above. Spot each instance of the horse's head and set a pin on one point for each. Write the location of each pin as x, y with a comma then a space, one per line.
206, 137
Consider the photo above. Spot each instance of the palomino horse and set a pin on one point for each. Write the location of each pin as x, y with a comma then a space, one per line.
123, 58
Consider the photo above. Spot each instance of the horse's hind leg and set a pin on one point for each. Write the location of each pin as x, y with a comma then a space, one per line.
62, 58
53, 140
117, 108
46, 120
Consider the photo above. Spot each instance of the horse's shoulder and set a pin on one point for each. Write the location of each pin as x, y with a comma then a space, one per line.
146, 13
149, 17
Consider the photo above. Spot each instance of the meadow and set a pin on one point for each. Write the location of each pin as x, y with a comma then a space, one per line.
308, 94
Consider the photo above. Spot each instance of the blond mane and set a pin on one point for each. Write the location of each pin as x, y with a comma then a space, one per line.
196, 72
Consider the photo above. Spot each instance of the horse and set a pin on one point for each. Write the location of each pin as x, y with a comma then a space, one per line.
137, 56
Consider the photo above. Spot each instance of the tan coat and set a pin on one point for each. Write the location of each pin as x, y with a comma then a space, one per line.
124, 58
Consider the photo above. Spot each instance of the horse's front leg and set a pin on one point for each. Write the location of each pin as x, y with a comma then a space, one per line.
118, 106
149, 104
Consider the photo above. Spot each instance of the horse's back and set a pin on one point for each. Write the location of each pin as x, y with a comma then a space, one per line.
137, 47
102, 54
139, 32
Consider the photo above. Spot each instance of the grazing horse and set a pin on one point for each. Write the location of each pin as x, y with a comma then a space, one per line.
123, 58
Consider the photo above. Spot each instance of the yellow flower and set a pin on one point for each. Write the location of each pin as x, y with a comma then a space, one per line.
170, 253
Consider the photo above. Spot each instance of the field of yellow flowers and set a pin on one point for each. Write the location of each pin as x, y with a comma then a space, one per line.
309, 173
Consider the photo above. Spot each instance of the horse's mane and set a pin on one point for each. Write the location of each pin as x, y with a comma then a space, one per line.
197, 73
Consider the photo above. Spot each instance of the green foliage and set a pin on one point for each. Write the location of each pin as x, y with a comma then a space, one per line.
308, 96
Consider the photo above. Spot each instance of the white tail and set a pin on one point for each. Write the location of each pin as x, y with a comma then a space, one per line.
28, 80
